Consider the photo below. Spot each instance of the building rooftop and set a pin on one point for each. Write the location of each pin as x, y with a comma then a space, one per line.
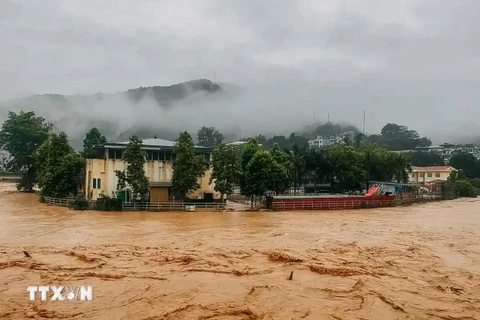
154, 143
433, 168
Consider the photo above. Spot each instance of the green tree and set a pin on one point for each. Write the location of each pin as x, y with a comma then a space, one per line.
60, 167
297, 157
398, 167
346, 174
92, 138
134, 176
281, 177
188, 167
250, 148
209, 137
466, 162
317, 166
426, 159
21, 136
463, 188
258, 174
398, 137
374, 161
226, 170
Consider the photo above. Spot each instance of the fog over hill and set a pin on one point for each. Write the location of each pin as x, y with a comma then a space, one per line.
414, 63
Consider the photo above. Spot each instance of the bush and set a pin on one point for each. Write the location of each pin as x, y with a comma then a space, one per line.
41, 199
106, 203
463, 188
80, 203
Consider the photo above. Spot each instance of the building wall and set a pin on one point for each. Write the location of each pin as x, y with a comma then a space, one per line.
156, 171
423, 177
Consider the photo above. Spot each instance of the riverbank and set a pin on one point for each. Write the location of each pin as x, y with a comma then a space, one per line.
420, 262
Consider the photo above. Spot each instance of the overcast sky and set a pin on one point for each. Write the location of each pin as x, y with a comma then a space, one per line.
406, 61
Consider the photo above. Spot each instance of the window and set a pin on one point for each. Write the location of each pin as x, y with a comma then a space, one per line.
114, 154
437, 174
422, 174
429, 174
97, 183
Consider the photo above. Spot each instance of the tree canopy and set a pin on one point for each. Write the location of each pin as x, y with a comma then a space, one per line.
467, 163
92, 138
60, 167
188, 167
209, 137
398, 137
134, 175
226, 169
21, 136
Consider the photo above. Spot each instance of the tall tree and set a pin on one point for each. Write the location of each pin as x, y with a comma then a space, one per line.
60, 167
188, 167
209, 137
92, 138
399, 166
281, 177
225, 171
467, 163
258, 174
250, 148
297, 158
134, 176
398, 137
426, 159
21, 136
346, 174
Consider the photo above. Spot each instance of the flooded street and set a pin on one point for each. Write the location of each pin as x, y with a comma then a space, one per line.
418, 262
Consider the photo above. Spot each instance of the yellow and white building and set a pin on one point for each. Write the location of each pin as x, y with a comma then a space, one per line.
422, 175
100, 177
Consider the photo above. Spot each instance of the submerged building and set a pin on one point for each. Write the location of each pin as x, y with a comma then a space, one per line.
104, 160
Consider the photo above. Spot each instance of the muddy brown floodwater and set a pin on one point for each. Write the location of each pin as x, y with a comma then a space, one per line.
419, 262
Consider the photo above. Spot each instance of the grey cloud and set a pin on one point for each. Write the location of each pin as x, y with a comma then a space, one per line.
412, 62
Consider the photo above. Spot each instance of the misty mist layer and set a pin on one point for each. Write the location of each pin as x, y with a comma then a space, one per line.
238, 112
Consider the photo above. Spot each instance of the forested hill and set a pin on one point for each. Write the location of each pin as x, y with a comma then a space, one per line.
164, 95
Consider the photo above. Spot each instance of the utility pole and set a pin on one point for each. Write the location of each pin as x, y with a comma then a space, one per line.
314, 117
328, 118
363, 122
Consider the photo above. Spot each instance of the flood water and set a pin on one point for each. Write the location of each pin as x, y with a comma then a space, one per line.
418, 262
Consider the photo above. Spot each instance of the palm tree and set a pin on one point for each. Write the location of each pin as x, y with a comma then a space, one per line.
297, 157
399, 166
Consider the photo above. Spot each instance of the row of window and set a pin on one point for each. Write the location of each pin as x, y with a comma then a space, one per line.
429, 174
151, 155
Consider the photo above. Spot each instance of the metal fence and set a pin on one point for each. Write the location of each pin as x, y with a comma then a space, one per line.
171, 206
59, 202
331, 205
143, 206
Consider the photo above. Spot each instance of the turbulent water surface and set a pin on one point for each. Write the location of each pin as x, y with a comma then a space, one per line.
419, 262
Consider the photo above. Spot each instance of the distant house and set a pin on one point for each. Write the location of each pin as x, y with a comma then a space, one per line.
422, 175
321, 141
447, 150
104, 160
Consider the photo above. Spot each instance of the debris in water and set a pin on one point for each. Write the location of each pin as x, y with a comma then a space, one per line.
291, 276
26, 254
